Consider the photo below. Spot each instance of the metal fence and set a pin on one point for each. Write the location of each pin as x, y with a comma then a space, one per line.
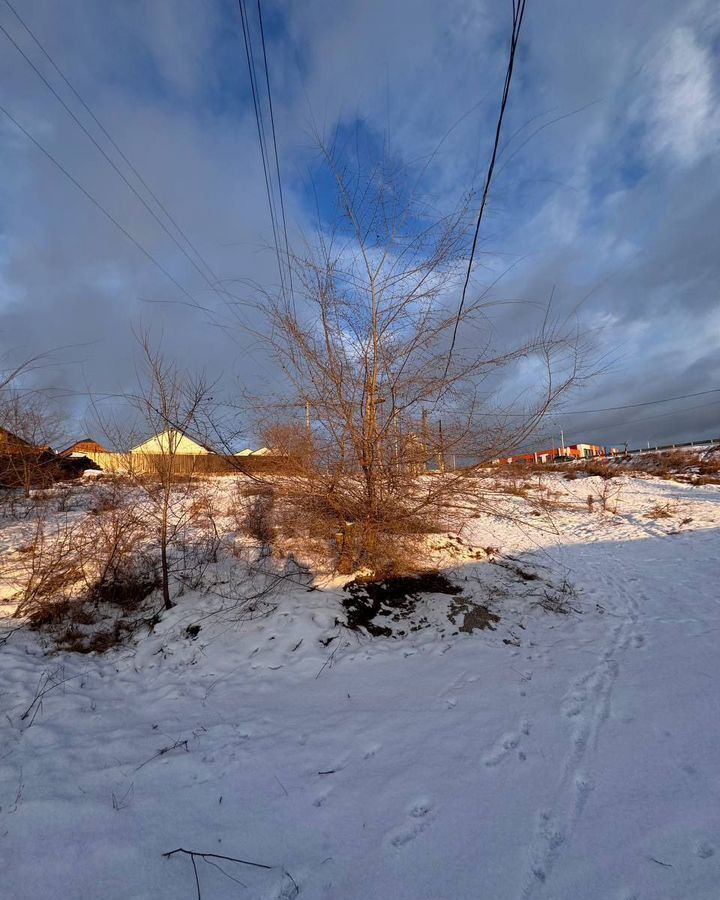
711, 441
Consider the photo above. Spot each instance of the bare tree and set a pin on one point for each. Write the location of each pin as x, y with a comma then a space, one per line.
168, 405
364, 344
28, 426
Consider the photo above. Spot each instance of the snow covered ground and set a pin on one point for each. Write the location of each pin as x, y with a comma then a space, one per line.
570, 757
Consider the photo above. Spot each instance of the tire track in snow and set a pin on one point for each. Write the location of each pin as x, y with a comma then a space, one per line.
586, 706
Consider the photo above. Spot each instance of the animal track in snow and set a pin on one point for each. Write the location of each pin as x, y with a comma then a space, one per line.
507, 743
419, 818
584, 785
322, 797
549, 837
704, 850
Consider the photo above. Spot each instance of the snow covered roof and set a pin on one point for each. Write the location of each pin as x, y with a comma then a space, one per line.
169, 441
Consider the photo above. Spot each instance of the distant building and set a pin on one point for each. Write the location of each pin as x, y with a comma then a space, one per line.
263, 451
83, 448
170, 442
574, 451
12, 443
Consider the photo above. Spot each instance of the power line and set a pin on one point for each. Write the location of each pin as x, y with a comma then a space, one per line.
580, 412
277, 158
106, 156
102, 128
584, 412
97, 203
261, 132
634, 422
518, 7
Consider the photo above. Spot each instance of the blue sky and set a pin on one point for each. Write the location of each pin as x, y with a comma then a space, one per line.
607, 189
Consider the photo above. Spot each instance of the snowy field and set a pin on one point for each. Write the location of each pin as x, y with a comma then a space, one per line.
569, 756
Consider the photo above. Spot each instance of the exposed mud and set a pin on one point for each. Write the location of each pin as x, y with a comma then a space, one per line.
476, 617
389, 608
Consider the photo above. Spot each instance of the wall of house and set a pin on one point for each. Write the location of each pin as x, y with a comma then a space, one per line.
190, 464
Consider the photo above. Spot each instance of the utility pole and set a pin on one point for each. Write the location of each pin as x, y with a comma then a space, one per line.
425, 437
441, 451
562, 442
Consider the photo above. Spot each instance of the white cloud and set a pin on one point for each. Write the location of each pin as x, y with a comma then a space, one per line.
683, 122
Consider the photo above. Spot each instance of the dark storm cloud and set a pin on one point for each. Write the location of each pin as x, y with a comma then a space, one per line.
617, 201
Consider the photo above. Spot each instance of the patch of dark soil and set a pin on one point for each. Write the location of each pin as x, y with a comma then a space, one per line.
395, 598
124, 588
475, 615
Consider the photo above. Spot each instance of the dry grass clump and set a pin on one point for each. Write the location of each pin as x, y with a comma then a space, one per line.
78, 571
662, 510
514, 487
705, 479
330, 526
258, 518
596, 467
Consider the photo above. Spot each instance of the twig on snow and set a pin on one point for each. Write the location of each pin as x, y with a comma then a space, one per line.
164, 751
46, 684
208, 857
660, 862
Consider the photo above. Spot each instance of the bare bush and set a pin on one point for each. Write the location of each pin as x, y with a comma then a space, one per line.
167, 403
49, 567
81, 577
662, 510
609, 497
367, 355
258, 519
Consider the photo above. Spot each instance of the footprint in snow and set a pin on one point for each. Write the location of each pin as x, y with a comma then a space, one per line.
322, 797
507, 743
572, 705
704, 850
548, 839
419, 818
372, 750
584, 786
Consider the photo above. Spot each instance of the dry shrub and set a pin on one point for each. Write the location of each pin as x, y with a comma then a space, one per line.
126, 586
710, 465
109, 497
75, 640
662, 511
77, 575
596, 467
63, 612
609, 498
113, 539
699, 480
329, 522
515, 488
670, 462
50, 568
258, 519
102, 617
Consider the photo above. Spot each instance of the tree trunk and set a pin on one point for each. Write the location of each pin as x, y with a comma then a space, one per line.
165, 571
